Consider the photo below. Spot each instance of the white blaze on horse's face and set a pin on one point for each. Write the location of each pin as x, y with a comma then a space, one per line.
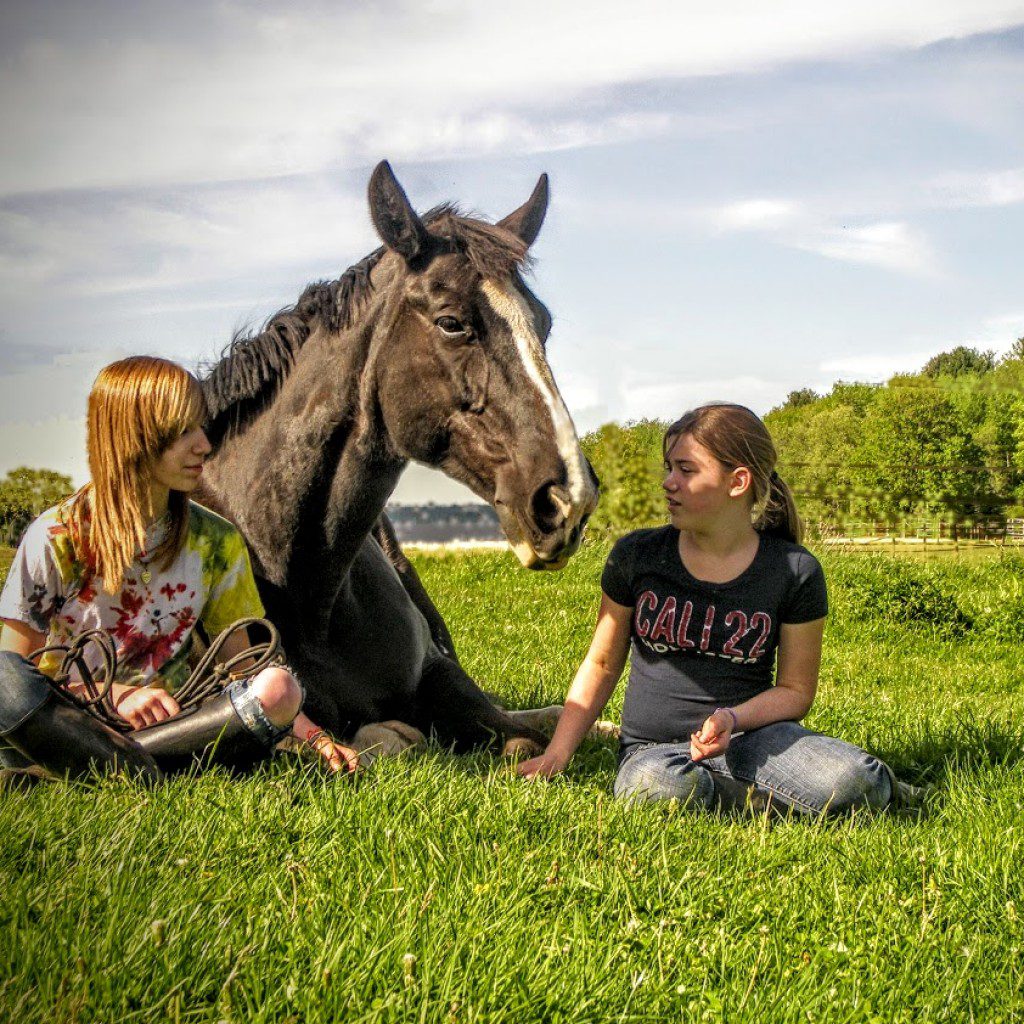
509, 305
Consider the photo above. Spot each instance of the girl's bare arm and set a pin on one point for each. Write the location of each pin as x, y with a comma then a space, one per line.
593, 684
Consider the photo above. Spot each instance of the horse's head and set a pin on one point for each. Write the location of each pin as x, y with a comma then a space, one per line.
462, 380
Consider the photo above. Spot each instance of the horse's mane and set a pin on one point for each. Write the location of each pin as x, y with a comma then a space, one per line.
252, 366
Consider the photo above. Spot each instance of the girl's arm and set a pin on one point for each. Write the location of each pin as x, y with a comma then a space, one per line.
592, 686
20, 638
788, 700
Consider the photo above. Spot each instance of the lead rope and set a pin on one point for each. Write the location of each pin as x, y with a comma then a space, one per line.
208, 678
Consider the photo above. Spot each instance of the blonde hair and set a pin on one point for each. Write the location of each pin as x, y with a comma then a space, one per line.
736, 437
137, 408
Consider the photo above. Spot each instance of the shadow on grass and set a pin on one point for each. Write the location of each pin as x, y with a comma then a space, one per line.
932, 757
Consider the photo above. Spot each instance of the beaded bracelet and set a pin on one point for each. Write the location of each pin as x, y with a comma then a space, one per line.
729, 711
314, 737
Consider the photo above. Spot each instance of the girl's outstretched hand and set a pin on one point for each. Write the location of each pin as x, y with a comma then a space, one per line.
336, 756
713, 736
141, 706
541, 767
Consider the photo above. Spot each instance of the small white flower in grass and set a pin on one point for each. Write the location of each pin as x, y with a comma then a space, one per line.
409, 968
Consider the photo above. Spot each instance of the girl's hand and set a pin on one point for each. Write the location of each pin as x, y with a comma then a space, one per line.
713, 737
336, 755
140, 706
542, 767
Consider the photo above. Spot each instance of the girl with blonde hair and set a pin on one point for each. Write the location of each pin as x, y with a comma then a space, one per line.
132, 556
725, 611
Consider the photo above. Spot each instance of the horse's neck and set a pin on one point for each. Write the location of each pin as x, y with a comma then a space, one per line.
309, 477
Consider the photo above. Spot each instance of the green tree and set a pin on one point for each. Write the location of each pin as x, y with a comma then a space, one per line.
628, 462
799, 398
24, 493
959, 362
1016, 352
920, 454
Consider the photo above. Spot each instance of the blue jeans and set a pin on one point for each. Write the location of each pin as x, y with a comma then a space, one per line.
792, 766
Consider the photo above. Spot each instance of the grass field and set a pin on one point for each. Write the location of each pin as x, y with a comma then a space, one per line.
443, 889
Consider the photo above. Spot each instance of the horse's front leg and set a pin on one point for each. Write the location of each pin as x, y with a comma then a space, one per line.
384, 535
451, 707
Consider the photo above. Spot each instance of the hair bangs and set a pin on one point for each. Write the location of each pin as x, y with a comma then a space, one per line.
137, 408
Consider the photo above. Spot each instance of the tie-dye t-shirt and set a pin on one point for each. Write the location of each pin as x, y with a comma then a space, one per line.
151, 620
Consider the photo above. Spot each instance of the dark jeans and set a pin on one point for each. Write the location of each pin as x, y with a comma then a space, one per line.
800, 769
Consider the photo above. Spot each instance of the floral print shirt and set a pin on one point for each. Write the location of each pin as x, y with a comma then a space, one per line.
152, 617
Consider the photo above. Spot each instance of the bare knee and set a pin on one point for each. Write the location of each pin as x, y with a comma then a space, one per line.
279, 693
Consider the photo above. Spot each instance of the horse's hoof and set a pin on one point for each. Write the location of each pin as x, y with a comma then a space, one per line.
543, 719
386, 739
604, 730
521, 748
413, 737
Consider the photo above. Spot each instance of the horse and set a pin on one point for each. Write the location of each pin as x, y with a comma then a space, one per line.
431, 348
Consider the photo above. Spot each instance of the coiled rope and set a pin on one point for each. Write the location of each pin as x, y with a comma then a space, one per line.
209, 677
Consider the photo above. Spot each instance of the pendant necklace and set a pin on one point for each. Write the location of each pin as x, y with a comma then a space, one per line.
145, 557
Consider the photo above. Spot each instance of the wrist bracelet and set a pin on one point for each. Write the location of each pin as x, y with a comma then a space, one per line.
313, 736
729, 711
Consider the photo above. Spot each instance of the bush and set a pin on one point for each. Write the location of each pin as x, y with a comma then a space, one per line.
24, 493
880, 588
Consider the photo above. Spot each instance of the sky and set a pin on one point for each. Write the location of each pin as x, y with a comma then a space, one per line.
746, 200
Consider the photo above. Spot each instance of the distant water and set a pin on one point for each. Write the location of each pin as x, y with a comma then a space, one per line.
444, 524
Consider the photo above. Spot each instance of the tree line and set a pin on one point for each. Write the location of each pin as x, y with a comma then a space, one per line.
945, 444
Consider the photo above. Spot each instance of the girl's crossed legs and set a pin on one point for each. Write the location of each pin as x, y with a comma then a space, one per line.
793, 766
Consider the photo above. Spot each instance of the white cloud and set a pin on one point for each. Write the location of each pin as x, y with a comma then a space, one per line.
57, 442
997, 333
875, 366
301, 88
136, 242
891, 245
991, 188
668, 399
51, 388
42, 412
755, 215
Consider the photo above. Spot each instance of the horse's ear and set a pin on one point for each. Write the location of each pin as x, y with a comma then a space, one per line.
393, 216
527, 220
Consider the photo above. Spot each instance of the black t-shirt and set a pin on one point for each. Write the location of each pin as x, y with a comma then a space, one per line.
698, 645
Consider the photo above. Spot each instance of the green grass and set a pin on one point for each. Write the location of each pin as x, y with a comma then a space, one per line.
442, 889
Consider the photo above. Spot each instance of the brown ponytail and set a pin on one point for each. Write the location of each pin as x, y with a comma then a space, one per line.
736, 437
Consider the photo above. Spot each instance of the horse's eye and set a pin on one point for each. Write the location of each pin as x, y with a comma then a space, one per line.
449, 325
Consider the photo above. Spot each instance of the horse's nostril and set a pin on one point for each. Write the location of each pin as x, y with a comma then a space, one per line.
549, 507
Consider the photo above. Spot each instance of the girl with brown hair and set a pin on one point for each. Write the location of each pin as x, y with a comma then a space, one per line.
132, 556
725, 611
